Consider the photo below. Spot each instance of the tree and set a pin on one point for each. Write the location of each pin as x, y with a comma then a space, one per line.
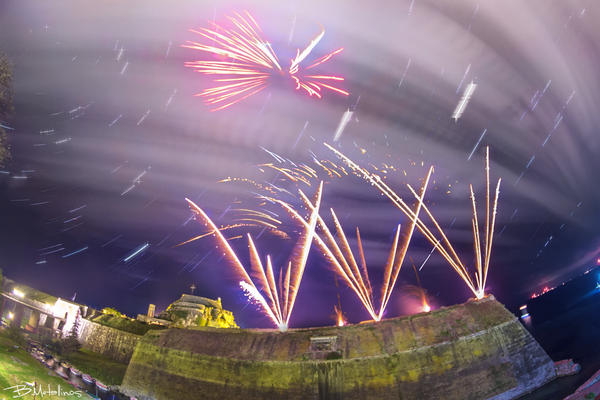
6, 102
15, 334
71, 342
74, 332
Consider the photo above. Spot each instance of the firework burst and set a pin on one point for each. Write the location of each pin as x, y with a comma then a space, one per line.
247, 63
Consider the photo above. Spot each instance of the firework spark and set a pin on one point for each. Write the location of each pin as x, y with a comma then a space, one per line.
340, 317
417, 291
263, 218
248, 63
443, 245
358, 278
344, 262
247, 222
276, 300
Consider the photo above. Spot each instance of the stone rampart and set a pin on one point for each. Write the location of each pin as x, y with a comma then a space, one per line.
109, 342
476, 350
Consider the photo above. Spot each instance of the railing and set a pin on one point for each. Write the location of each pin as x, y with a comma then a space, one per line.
37, 305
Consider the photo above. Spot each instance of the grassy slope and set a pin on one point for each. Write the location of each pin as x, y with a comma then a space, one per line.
12, 373
99, 367
126, 325
106, 370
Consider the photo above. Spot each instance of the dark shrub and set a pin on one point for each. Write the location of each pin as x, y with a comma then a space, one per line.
15, 334
334, 355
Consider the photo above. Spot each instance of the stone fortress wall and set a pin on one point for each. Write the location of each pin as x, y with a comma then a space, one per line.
187, 311
475, 350
107, 341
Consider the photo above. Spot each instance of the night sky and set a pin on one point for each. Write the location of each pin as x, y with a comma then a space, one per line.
108, 140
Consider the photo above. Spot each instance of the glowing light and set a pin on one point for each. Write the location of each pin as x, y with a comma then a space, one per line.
339, 316
278, 304
460, 108
524, 312
482, 256
344, 262
136, 252
18, 293
253, 63
10, 315
544, 291
75, 252
344, 121
417, 291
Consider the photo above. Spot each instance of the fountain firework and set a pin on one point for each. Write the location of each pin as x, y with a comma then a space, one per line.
344, 262
358, 278
482, 256
279, 303
278, 300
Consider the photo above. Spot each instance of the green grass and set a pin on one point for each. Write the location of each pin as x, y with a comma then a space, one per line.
103, 368
126, 325
28, 369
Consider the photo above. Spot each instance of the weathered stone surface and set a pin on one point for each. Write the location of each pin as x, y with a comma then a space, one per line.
476, 350
566, 368
151, 320
109, 342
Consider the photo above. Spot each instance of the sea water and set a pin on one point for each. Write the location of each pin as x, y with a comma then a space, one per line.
566, 323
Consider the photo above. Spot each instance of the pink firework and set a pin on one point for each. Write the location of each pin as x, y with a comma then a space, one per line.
247, 63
